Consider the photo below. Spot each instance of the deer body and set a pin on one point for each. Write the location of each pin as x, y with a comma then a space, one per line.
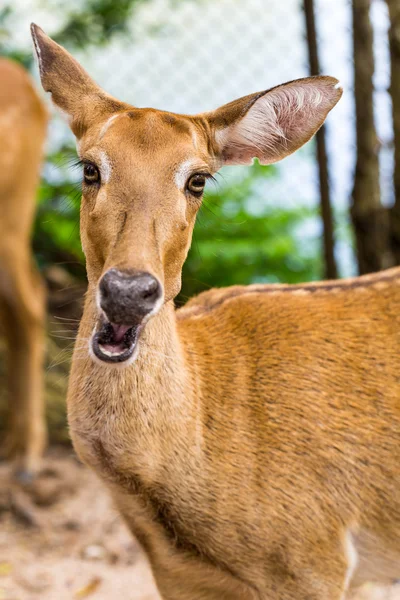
23, 121
263, 462
250, 439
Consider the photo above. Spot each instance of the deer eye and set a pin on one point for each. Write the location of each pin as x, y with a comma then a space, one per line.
91, 174
196, 184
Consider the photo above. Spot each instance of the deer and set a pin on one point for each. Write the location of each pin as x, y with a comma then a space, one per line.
23, 125
251, 438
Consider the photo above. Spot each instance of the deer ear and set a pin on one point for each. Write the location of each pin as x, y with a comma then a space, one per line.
71, 88
271, 125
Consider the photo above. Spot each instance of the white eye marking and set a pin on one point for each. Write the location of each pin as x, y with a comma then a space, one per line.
105, 167
183, 172
107, 124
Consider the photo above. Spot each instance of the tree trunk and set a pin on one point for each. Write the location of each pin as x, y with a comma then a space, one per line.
369, 217
323, 170
394, 37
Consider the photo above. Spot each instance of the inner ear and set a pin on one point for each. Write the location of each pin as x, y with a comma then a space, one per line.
272, 124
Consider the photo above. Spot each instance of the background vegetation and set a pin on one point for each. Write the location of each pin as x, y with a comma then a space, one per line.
238, 238
233, 243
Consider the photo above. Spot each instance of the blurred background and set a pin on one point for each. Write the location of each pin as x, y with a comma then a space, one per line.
331, 210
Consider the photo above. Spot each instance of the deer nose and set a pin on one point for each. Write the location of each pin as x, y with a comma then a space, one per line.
126, 298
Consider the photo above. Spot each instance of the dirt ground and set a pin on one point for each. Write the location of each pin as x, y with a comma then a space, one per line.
61, 539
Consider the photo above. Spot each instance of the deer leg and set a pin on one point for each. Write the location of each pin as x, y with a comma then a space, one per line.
300, 587
321, 573
24, 310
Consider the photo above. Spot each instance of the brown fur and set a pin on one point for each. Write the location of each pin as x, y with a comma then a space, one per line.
23, 121
253, 446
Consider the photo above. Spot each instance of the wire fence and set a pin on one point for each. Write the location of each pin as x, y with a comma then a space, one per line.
194, 55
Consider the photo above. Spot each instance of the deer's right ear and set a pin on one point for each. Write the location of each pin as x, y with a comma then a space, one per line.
71, 88
272, 124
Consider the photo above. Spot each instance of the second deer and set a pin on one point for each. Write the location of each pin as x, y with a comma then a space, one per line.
23, 123
251, 440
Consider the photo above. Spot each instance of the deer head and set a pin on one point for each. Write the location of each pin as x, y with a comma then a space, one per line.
144, 174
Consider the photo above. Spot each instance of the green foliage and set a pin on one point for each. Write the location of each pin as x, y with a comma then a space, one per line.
232, 245
96, 21
93, 22
56, 230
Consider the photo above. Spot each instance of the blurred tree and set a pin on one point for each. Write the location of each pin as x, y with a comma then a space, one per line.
323, 168
368, 215
394, 38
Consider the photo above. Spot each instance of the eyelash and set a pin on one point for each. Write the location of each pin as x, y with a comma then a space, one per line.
208, 176
80, 163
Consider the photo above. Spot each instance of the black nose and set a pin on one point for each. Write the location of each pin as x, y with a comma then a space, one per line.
127, 298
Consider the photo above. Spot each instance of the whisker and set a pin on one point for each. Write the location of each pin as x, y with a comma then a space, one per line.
66, 319
64, 331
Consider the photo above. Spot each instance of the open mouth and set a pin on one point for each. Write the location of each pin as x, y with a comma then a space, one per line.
115, 343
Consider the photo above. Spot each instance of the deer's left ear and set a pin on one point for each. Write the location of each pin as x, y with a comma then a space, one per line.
271, 125
71, 88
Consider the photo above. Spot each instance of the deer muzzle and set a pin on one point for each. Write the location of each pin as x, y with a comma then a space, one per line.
127, 300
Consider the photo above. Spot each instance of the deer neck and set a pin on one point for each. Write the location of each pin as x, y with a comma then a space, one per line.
140, 410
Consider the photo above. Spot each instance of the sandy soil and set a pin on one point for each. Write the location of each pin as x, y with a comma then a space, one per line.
61, 539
